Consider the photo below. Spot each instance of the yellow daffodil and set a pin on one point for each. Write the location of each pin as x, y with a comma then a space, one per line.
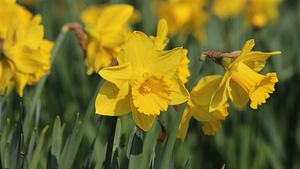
12, 13
161, 40
107, 28
145, 82
198, 107
242, 81
25, 55
261, 12
184, 16
228, 8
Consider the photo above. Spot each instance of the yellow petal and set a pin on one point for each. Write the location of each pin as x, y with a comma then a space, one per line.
108, 23
183, 70
30, 36
257, 60
114, 17
205, 88
7, 73
139, 50
238, 95
118, 75
143, 121
211, 127
168, 63
184, 124
220, 97
112, 101
97, 56
25, 59
45, 50
111, 24
161, 39
179, 94
202, 113
21, 80
248, 46
89, 15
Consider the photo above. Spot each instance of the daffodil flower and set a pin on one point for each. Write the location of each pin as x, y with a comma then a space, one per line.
25, 55
198, 107
184, 17
242, 81
107, 28
12, 13
145, 82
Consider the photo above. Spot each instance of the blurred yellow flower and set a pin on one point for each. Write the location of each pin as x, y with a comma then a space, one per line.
161, 40
228, 8
184, 16
261, 12
198, 107
107, 28
242, 81
12, 13
25, 55
144, 83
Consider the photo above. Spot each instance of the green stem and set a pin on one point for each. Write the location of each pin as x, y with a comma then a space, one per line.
167, 153
110, 141
41, 84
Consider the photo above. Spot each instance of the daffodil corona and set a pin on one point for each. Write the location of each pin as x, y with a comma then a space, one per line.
107, 29
25, 55
145, 82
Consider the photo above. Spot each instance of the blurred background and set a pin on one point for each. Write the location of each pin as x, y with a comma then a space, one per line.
59, 135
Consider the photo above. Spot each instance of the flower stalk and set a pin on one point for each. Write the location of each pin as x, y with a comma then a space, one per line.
167, 153
110, 142
38, 90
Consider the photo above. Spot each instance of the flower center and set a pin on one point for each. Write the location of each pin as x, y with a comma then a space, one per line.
151, 94
145, 88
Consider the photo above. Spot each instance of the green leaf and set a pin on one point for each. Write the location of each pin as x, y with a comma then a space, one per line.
71, 147
37, 155
57, 138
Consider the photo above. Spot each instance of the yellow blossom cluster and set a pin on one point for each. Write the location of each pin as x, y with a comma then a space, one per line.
240, 83
25, 54
258, 13
190, 16
143, 78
